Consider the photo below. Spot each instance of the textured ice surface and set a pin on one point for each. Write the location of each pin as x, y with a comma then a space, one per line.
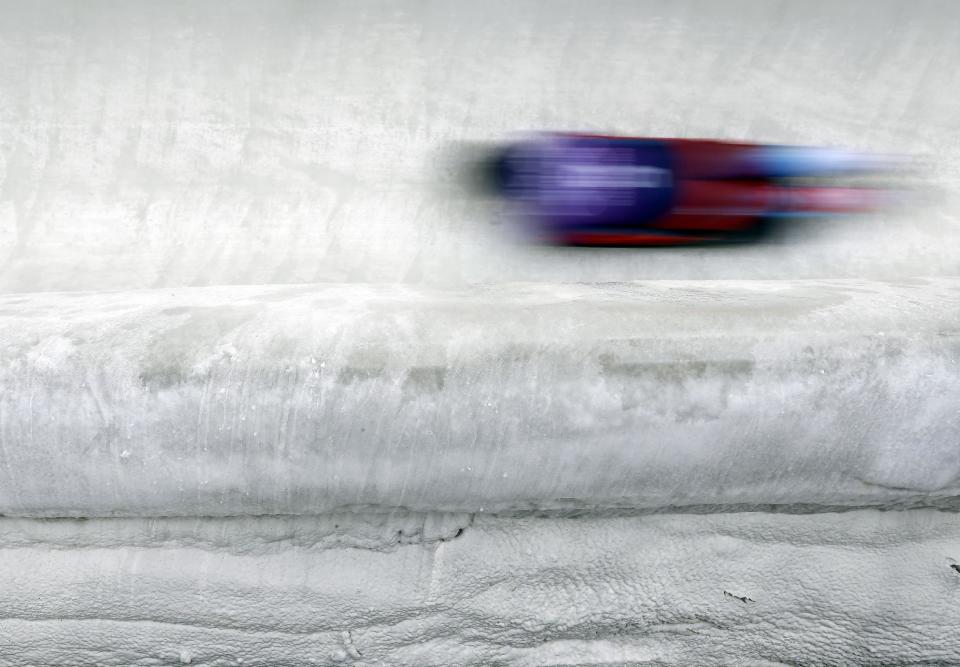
287, 399
863, 587
238, 278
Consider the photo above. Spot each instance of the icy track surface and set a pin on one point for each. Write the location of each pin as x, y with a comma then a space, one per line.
274, 392
757, 589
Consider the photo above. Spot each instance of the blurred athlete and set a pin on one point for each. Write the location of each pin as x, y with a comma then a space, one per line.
583, 189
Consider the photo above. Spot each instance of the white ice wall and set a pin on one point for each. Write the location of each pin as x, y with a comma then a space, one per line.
151, 144
238, 277
290, 399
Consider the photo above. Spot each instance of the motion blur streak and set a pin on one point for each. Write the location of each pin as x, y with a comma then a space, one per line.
574, 187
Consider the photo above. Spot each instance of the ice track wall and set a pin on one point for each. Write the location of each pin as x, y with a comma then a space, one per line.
283, 400
273, 391
154, 144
